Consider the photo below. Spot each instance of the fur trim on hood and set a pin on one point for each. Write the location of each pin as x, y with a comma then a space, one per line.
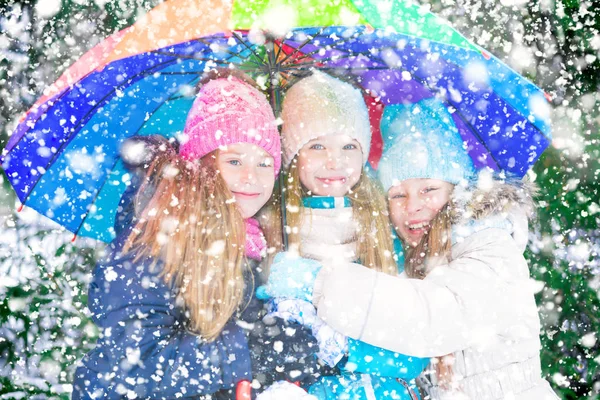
490, 195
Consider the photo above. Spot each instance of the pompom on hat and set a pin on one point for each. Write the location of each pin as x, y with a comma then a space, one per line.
228, 111
422, 141
321, 105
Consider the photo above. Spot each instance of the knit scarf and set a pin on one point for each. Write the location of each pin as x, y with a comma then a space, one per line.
256, 245
328, 231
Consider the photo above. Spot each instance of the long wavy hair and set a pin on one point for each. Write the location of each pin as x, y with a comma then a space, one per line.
199, 235
375, 246
434, 248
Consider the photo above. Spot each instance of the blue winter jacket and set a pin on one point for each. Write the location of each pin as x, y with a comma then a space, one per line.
144, 346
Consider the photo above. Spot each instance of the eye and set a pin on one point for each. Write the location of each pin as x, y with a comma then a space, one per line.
398, 196
234, 161
430, 189
266, 163
317, 146
350, 146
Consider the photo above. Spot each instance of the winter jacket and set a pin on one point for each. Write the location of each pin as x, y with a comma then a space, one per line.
328, 233
480, 306
144, 348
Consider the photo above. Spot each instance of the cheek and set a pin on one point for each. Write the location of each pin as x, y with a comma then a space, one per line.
356, 173
438, 202
268, 182
229, 177
396, 214
306, 176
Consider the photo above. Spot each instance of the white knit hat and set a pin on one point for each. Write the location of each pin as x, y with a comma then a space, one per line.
321, 105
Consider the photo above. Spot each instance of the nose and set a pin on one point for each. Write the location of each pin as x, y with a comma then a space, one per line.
248, 175
334, 160
413, 204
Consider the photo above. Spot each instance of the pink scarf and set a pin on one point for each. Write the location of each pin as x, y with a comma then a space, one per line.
256, 245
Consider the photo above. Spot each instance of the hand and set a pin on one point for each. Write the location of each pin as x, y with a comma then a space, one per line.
294, 310
291, 277
281, 351
332, 345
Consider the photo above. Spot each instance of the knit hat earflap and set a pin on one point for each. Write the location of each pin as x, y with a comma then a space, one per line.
228, 111
321, 105
422, 141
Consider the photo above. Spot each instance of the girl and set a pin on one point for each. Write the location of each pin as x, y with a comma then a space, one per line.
469, 294
335, 214
173, 298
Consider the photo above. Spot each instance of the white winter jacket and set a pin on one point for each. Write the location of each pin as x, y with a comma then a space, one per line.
480, 307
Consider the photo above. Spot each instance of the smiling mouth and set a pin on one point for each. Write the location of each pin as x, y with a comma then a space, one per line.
333, 180
419, 226
246, 195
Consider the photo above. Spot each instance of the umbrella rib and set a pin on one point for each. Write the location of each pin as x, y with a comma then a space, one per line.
204, 42
340, 41
279, 50
325, 60
353, 68
307, 41
190, 57
66, 142
113, 166
163, 103
241, 40
233, 53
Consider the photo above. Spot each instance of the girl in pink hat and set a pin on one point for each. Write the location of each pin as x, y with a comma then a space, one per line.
174, 297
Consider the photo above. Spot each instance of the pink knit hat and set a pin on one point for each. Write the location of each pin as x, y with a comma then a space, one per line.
228, 111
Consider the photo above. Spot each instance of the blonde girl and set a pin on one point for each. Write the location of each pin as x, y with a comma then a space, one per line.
335, 213
173, 298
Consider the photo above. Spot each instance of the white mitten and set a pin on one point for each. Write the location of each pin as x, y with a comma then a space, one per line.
332, 344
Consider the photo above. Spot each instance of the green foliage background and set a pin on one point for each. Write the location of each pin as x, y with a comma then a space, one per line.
44, 328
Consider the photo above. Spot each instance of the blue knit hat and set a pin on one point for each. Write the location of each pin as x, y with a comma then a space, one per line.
422, 141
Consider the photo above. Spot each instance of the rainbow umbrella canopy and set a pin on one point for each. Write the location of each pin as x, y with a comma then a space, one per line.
62, 159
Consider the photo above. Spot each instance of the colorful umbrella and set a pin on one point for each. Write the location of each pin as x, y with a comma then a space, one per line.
62, 159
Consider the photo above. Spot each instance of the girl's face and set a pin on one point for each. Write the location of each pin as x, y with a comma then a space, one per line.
330, 165
249, 173
414, 203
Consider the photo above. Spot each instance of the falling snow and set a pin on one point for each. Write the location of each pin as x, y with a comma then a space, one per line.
45, 326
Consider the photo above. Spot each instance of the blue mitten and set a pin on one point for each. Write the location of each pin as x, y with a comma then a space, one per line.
291, 277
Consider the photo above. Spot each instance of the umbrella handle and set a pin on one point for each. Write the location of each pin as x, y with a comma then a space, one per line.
243, 390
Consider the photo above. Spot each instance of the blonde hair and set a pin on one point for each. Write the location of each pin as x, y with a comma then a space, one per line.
375, 246
199, 235
435, 247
